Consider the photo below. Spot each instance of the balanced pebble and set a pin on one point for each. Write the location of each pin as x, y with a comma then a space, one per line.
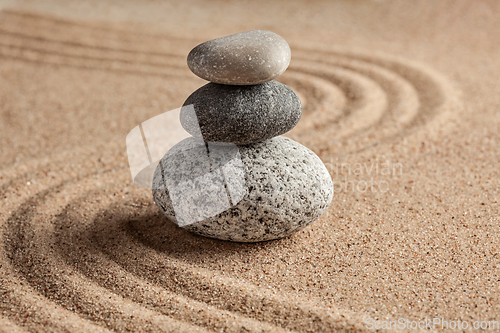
250, 193
245, 58
236, 179
241, 114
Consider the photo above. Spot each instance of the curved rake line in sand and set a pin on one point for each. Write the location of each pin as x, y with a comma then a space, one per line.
437, 98
321, 100
193, 273
319, 92
31, 306
27, 309
35, 19
8, 176
176, 74
369, 105
42, 272
78, 50
374, 67
106, 243
316, 87
91, 63
366, 101
395, 90
402, 105
249, 302
43, 182
325, 95
400, 95
46, 274
317, 51
27, 206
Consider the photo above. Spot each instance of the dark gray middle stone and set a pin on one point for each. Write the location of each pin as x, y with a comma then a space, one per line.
241, 114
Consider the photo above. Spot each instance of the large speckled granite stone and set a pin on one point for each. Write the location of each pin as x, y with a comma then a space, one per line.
246, 58
249, 193
241, 114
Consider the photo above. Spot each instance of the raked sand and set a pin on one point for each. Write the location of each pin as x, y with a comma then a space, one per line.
401, 102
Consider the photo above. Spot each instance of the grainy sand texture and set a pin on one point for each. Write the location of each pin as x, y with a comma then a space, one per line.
401, 102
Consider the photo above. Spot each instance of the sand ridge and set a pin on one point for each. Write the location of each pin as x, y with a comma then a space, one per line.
85, 250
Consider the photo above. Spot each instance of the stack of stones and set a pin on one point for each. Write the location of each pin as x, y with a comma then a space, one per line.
236, 178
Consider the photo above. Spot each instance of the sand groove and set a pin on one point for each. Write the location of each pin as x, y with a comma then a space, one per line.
69, 245
77, 267
366, 101
386, 96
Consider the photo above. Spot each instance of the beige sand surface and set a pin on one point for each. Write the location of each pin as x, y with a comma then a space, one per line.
408, 90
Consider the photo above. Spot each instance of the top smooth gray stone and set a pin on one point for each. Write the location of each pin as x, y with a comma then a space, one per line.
245, 58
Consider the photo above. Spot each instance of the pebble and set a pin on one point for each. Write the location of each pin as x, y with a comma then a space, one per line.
241, 114
245, 58
250, 193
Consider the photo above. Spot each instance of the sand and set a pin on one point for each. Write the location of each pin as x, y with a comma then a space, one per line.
401, 102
